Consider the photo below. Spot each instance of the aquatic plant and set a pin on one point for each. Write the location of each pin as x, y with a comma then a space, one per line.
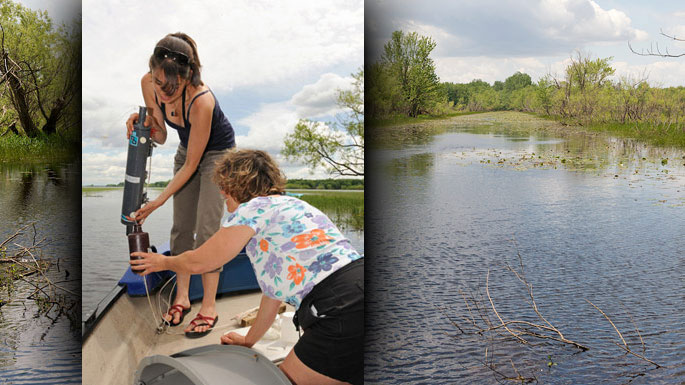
22, 260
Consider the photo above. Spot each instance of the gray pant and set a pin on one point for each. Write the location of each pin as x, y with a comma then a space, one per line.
198, 205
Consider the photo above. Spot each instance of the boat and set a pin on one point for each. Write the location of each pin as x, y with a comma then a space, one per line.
125, 342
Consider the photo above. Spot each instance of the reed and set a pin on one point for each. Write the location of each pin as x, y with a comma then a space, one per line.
16, 148
346, 209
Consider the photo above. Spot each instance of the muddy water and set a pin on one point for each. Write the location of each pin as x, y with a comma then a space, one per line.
37, 348
593, 217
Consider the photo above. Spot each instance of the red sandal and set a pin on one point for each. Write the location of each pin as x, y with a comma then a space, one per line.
205, 321
176, 309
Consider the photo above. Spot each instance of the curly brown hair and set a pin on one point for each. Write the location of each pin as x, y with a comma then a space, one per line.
246, 174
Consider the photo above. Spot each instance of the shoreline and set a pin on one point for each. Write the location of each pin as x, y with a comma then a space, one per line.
529, 122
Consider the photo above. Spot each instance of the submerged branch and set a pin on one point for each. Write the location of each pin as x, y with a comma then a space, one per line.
24, 262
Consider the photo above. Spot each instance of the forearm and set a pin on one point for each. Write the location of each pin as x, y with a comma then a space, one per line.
268, 309
219, 249
179, 179
189, 262
158, 132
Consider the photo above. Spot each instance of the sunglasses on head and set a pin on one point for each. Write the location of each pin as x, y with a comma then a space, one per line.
165, 53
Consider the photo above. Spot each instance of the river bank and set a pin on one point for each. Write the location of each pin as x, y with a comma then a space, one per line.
50, 148
393, 130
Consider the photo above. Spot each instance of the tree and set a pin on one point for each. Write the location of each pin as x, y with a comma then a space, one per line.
407, 56
338, 146
40, 71
383, 92
517, 81
655, 50
544, 93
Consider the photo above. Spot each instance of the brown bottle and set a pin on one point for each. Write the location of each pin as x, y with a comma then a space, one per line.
138, 241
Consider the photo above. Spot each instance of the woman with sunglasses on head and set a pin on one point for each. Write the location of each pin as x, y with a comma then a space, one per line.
175, 94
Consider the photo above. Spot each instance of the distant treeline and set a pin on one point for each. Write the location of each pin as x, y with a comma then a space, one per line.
327, 184
403, 83
585, 95
313, 184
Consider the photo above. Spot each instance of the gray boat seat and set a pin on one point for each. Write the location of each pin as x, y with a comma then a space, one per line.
210, 365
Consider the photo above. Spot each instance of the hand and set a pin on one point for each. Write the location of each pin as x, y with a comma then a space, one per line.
146, 210
148, 263
133, 119
234, 338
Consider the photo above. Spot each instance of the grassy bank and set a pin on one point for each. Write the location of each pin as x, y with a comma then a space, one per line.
398, 120
656, 134
15, 148
89, 189
345, 208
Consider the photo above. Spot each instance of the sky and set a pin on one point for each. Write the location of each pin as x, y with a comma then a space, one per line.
269, 64
492, 39
61, 12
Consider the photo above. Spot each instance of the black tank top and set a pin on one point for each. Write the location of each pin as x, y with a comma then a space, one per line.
221, 134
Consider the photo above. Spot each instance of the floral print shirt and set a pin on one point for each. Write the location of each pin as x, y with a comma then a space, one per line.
295, 246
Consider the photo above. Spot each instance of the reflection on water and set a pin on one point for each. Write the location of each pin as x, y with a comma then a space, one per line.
35, 348
593, 217
105, 244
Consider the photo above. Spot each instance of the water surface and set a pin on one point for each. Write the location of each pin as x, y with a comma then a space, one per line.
593, 217
105, 246
37, 348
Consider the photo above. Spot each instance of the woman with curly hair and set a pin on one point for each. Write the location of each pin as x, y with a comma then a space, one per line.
299, 256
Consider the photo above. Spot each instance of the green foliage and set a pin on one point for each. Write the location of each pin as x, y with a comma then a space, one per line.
327, 184
404, 80
517, 81
338, 147
54, 147
296, 184
587, 96
40, 81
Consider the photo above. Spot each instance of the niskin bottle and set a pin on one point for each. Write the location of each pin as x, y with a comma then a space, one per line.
138, 240
139, 149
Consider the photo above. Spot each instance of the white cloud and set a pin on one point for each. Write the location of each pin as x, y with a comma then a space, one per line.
269, 125
465, 69
243, 45
320, 99
586, 21
110, 167
662, 73
497, 28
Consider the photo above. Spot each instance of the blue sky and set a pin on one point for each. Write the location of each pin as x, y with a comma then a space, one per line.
492, 39
268, 63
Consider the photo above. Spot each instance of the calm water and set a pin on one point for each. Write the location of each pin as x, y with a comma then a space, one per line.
105, 246
35, 349
592, 217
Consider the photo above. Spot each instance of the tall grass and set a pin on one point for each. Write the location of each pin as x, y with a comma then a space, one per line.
16, 148
661, 134
346, 209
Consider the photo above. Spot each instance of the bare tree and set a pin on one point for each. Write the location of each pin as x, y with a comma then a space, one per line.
655, 50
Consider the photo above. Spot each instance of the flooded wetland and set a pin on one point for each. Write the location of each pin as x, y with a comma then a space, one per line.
40, 307
596, 220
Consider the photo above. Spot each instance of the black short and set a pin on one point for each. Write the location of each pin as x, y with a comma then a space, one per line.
333, 341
